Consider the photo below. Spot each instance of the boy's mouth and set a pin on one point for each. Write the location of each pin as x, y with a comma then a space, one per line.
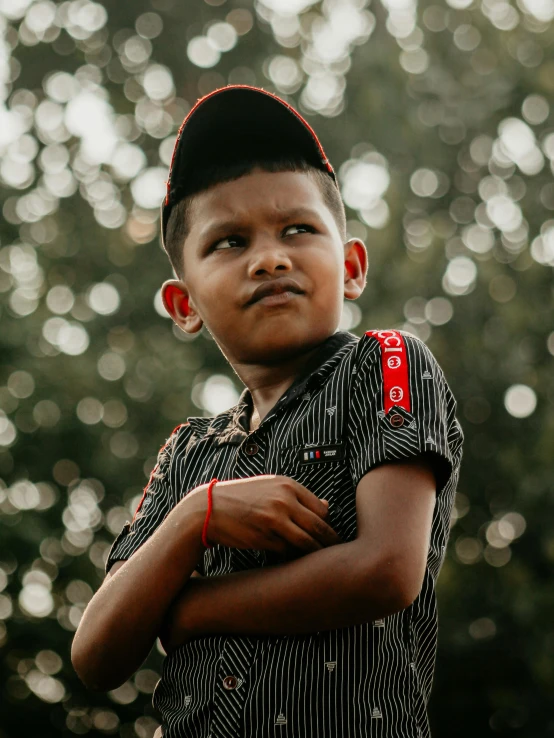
279, 298
286, 288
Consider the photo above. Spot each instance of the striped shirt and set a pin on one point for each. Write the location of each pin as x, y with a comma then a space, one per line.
360, 402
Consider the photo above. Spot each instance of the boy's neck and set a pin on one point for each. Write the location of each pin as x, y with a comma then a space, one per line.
268, 383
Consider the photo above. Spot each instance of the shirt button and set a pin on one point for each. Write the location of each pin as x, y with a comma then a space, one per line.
230, 682
396, 420
251, 449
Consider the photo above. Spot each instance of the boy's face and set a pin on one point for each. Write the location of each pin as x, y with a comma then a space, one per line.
254, 230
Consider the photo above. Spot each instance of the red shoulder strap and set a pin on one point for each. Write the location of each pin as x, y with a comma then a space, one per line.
395, 368
154, 469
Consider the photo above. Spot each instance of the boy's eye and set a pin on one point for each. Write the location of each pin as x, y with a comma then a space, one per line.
299, 227
239, 240
232, 240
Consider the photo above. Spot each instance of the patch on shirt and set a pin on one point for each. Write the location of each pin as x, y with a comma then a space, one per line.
316, 454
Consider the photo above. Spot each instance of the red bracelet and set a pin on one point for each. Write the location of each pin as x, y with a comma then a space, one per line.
205, 529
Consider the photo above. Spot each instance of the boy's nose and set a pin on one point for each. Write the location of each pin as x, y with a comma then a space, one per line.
267, 254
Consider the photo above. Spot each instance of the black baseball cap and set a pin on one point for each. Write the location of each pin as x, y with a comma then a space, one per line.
234, 123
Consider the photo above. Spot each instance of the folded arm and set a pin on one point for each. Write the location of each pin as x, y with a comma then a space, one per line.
377, 574
122, 620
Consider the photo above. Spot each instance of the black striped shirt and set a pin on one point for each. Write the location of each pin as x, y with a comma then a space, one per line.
365, 680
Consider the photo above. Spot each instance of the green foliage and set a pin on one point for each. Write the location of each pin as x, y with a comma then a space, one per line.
438, 120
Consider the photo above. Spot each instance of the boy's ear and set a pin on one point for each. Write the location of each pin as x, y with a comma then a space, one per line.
355, 262
175, 298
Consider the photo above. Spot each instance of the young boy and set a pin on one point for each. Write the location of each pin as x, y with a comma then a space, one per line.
295, 596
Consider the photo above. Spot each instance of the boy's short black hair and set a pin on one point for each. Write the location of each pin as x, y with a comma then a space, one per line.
178, 224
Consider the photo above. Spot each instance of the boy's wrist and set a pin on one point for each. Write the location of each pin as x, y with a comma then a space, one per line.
195, 503
191, 513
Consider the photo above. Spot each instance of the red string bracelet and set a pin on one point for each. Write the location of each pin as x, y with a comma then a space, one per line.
205, 529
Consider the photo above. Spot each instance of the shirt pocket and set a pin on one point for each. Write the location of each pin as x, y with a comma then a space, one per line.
323, 469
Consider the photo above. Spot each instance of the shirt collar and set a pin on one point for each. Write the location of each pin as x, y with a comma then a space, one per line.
233, 423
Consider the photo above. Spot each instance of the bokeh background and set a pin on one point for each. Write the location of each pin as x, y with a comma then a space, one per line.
439, 120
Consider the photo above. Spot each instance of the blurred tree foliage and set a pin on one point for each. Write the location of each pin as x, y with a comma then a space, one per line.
438, 118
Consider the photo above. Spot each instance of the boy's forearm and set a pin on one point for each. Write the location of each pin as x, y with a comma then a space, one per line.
122, 621
331, 588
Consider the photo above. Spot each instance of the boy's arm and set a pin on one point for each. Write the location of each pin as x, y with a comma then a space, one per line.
401, 417
379, 573
122, 620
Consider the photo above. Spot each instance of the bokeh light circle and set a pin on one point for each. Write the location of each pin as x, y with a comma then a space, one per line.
520, 400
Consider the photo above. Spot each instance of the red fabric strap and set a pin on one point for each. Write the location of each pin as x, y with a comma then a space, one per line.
145, 491
394, 361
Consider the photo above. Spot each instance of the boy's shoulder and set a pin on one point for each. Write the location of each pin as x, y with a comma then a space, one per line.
394, 346
167, 450
404, 367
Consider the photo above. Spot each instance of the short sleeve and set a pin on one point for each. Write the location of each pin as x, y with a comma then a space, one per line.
157, 501
391, 418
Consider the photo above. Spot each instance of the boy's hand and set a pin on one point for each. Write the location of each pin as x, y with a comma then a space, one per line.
267, 512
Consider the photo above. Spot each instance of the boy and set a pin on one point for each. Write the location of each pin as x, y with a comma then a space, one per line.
299, 599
